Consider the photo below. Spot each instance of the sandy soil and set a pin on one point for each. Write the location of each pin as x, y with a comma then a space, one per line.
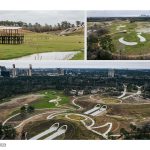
8, 107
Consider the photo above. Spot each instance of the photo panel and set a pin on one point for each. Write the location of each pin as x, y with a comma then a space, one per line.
79, 100
42, 35
118, 35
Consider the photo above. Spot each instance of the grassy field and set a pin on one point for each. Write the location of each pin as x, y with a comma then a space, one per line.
42, 42
130, 36
79, 56
49, 95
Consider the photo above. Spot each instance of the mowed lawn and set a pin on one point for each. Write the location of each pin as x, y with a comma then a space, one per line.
42, 42
49, 95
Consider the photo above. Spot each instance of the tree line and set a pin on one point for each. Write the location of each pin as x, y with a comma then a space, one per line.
21, 85
99, 19
37, 27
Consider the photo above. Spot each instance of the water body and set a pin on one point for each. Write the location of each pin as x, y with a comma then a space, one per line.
49, 56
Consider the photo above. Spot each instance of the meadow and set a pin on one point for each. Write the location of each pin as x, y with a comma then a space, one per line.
130, 36
49, 95
43, 42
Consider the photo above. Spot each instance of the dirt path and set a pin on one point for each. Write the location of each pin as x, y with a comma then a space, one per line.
8, 107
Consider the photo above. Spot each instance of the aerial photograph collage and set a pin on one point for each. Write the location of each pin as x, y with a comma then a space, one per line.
74, 75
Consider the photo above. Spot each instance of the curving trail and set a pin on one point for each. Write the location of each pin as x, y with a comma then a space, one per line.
55, 101
138, 93
10, 118
142, 39
121, 40
88, 127
56, 113
124, 92
73, 102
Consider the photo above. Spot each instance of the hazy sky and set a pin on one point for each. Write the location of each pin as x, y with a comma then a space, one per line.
118, 13
79, 64
42, 17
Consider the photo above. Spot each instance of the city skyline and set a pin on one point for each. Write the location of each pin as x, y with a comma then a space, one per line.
79, 64
118, 13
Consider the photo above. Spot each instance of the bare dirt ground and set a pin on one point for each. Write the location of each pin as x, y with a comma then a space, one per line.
39, 117
8, 107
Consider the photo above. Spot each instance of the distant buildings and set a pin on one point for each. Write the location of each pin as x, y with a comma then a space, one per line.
29, 72
73, 92
94, 91
60, 71
111, 73
80, 92
4, 72
14, 73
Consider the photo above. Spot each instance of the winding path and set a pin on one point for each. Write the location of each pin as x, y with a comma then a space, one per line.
138, 93
55, 101
142, 39
89, 127
121, 40
124, 92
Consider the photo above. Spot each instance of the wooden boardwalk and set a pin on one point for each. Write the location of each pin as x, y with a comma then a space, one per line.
11, 36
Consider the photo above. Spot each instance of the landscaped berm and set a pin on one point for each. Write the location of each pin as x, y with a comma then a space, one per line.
119, 38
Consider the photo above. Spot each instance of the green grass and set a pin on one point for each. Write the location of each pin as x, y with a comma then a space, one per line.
79, 56
140, 48
48, 95
42, 42
130, 35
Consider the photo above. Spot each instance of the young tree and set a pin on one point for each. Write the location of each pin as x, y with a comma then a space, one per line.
23, 111
30, 109
9, 132
78, 23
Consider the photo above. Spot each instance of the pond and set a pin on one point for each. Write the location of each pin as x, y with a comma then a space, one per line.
49, 56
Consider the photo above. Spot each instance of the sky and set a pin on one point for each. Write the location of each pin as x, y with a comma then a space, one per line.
118, 13
79, 64
42, 17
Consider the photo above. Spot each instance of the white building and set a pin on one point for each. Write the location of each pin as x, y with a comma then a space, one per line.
111, 73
